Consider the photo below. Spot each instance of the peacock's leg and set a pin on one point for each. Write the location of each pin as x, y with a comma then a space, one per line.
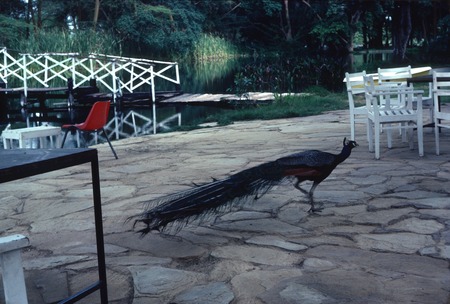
297, 185
311, 199
308, 194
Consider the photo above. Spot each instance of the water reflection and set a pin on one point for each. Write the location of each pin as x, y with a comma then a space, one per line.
218, 76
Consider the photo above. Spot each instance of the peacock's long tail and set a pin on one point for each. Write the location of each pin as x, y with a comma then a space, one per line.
176, 210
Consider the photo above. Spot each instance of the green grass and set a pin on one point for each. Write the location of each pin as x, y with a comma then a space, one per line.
316, 101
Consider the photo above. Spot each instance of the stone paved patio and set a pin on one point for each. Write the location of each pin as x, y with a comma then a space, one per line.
383, 237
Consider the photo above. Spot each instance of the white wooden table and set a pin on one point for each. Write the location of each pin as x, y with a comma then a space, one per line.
24, 134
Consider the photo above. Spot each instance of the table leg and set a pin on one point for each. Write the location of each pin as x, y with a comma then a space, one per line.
99, 230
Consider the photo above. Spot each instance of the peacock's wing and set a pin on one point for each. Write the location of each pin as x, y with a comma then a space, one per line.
310, 158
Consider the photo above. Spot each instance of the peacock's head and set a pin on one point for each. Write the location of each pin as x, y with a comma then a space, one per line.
349, 143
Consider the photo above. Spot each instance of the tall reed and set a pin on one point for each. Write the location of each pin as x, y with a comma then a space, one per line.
82, 42
64, 41
210, 47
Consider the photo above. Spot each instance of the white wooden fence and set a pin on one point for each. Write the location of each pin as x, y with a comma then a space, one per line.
113, 73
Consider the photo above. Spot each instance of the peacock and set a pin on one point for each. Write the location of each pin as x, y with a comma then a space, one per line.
198, 203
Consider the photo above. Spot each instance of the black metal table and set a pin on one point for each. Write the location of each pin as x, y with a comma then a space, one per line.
20, 163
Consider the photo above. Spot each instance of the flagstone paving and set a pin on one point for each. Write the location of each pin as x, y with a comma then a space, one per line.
383, 236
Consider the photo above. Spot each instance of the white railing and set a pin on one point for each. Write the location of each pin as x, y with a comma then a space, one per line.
114, 73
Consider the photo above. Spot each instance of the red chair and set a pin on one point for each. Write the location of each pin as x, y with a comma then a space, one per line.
95, 121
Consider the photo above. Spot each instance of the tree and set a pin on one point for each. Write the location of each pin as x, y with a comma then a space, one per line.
172, 26
12, 25
401, 29
164, 27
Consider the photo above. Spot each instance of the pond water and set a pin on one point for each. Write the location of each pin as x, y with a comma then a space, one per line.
218, 76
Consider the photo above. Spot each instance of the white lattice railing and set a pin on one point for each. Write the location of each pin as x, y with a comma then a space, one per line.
43, 69
114, 73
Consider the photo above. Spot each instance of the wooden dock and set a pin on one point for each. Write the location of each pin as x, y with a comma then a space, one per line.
176, 99
218, 100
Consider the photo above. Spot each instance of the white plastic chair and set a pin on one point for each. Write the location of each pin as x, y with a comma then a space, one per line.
386, 116
355, 87
441, 88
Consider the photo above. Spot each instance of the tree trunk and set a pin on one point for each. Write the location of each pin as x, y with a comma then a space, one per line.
354, 19
376, 41
39, 14
96, 10
288, 21
30, 16
401, 29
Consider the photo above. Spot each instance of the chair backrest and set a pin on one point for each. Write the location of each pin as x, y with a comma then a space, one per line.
394, 75
355, 86
368, 84
355, 82
369, 90
441, 83
441, 87
381, 97
97, 117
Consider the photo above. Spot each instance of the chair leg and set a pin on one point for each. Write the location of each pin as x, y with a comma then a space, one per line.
377, 140
12, 271
369, 135
389, 138
419, 124
109, 142
352, 126
436, 136
370, 127
403, 127
70, 129
64, 138
420, 138
411, 137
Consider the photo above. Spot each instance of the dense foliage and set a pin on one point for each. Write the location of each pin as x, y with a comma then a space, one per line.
306, 41
173, 27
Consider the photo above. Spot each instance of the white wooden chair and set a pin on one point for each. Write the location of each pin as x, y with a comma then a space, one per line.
441, 88
386, 116
12, 271
355, 87
393, 77
397, 75
428, 100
